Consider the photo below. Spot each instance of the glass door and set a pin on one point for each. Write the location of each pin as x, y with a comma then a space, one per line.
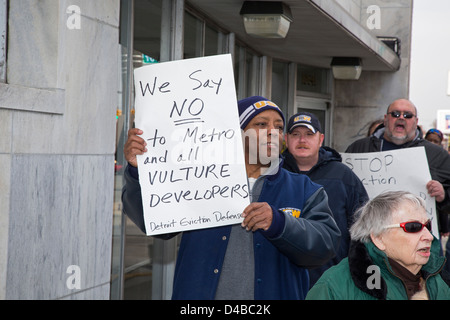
138, 261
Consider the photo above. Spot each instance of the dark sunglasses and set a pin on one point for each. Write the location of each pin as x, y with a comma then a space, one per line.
411, 227
406, 115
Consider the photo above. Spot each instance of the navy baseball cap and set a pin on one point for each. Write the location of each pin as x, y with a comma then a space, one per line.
304, 119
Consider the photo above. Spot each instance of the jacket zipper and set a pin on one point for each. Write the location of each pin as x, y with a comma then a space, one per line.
432, 274
389, 269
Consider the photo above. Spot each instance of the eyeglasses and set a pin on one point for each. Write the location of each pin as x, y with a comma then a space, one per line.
411, 227
406, 114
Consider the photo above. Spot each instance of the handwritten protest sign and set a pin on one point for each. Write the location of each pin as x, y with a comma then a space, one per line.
404, 169
193, 175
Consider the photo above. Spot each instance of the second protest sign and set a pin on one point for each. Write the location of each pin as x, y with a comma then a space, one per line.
397, 170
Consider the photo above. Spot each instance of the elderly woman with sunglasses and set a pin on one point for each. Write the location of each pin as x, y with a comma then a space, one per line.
393, 255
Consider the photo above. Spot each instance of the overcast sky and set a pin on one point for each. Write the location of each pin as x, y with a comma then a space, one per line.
430, 59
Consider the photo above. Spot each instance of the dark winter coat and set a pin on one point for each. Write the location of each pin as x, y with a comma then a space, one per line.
345, 192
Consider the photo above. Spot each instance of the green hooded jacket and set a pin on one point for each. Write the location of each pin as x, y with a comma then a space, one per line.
367, 275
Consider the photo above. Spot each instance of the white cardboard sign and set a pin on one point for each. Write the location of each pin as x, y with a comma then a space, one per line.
193, 175
398, 170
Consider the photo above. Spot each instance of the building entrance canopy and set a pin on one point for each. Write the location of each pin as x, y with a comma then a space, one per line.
320, 31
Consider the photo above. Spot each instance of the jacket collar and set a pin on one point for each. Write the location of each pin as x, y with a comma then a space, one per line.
362, 256
360, 262
326, 155
379, 133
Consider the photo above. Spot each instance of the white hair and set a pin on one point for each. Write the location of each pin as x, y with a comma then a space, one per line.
377, 213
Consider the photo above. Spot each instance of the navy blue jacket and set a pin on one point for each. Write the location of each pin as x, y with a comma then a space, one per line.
281, 253
345, 193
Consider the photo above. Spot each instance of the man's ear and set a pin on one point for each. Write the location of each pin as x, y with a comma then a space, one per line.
378, 241
322, 137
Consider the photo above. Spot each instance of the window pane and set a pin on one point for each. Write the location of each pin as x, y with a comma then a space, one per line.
312, 79
193, 39
238, 63
251, 71
147, 28
211, 42
280, 79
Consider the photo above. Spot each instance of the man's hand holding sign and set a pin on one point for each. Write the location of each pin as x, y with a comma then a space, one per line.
195, 175
187, 146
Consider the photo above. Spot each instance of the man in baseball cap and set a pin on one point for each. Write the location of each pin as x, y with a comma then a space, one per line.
323, 165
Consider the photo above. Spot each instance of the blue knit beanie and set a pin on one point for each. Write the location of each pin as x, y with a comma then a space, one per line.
250, 107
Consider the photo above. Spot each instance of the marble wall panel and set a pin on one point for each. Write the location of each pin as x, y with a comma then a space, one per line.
57, 156
90, 294
106, 11
92, 87
60, 216
5, 169
33, 43
5, 130
90, 68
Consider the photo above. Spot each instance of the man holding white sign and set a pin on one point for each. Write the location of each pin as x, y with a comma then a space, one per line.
286, 228
400, 130
391, 171
193, 175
